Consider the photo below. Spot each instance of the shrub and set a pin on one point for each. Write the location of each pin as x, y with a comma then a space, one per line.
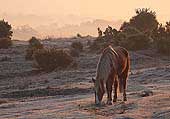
135, 42
74, 52
77, 45
34, 44
29, 53
130, 31
94, 46
50, 59
145, 21
99, 45
163, 46
5, 43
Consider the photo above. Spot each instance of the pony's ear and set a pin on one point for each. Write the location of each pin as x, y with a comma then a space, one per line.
93, 80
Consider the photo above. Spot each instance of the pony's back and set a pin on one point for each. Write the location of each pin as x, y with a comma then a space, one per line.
110, 60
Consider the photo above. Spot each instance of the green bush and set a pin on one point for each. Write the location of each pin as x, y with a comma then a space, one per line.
135, 42
163, 46
50, 59
145, 21
77, 45
5, 43
130, 31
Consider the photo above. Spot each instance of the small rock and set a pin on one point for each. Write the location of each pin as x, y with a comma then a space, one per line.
146, 93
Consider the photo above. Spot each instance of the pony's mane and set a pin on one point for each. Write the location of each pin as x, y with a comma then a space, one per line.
105, 63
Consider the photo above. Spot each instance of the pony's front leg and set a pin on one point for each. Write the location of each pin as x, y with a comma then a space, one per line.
109, 92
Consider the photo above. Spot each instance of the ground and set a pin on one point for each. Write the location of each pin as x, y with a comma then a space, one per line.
27, 93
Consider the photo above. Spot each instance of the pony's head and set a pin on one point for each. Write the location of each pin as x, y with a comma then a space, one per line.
99, 90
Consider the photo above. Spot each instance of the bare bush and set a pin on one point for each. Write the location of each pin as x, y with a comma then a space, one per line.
50, 59
34, 44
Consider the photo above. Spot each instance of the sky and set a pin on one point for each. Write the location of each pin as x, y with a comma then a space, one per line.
107, 9
46, 16
43, 12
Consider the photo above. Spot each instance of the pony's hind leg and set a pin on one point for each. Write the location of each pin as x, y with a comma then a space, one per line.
109, 84
115, 90
124, 77
124, 91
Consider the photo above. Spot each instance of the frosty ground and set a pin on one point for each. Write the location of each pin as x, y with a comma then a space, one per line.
27, 93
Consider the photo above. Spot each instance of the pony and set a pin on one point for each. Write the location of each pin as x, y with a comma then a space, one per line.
112, 69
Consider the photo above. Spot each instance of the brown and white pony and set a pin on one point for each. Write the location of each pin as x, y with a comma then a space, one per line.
112, 68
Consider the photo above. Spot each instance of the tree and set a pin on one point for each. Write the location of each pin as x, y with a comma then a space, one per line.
144, 20
5, 29
124, 25
167, 26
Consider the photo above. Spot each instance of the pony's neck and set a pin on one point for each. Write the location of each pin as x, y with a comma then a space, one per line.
100, 86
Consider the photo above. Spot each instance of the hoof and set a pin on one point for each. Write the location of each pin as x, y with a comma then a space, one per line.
109, 102
125, 99
114, 100
98, 104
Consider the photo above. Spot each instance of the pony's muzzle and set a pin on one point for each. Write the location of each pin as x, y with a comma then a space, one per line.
98, 104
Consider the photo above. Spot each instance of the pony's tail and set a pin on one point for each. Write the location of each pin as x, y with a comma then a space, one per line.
123, 78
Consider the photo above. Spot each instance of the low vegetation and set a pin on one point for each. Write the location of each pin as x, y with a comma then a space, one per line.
74, 52
162, 39
34, 45
163, 46
77, 45
135, 42
5, 43
50, 59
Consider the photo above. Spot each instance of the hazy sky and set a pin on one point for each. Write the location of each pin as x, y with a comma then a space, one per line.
108, 9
